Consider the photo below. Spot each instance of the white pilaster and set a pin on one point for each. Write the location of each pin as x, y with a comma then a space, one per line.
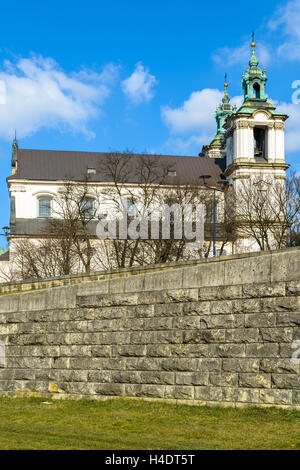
271, 152
279, 142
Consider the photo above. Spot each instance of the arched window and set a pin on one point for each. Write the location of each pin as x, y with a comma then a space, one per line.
256, 90
44, 207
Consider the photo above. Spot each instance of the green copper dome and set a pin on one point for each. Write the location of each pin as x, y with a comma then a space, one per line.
224, 110
253, 61
253, 83
254, 80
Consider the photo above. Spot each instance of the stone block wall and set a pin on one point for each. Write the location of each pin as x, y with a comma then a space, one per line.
192, 333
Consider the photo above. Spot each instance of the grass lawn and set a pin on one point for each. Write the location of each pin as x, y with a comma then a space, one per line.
131, 424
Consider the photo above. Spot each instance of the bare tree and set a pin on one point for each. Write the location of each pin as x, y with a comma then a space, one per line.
148, 184
42, 258
133, 186
228, 227
267, 209
75, 208
135, 183
293, 210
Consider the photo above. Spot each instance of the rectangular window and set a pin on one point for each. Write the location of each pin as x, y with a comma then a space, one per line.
259, 142
87, 208
44, 207
209, 210
129, 208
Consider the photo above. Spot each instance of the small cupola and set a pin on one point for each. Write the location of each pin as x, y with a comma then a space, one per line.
216, 148
254, 79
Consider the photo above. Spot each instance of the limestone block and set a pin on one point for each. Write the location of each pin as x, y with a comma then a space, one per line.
242, 335
241, 365
248, 270
221, 306
196, 308
247, 395
279, 397
179, 392
293, 288
286, 381
204, 336
129, 350
279, 366
108, 389
220, 293
157, 377
277, 335
152, 391
223, 379
262, 350
285, 265
264, 290
254, 380
260, 320
194, 378
208, 393
179, 364
289, 319
159, 350
205, 274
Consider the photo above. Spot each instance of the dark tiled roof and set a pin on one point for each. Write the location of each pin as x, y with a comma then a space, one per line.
53, 165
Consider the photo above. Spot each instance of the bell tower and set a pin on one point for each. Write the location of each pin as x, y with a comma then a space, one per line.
255, 132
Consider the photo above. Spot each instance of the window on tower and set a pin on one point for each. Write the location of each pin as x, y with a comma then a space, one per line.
256, 90
259, 142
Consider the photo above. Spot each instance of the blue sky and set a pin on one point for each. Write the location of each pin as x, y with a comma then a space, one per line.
145, 76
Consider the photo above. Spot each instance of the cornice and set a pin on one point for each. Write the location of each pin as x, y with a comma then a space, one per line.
245, 124
258, 166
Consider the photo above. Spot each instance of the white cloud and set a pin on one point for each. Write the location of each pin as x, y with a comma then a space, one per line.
286, 19
38, 94
196, 113
139, 86
195, 119
292, 141
241, 55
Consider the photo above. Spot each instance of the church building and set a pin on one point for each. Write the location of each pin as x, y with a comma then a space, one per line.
249, 143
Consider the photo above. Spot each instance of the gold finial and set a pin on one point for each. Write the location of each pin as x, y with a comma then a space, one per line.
225, 84
253, 42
